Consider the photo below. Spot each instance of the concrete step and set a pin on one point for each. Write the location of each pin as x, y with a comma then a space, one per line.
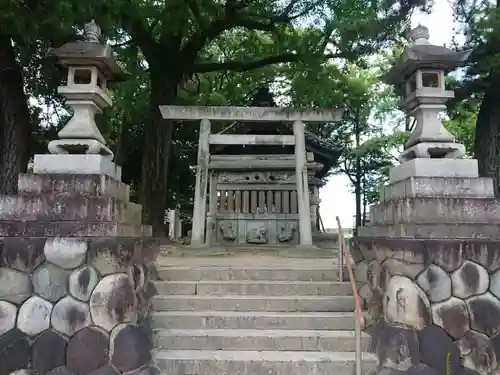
183, 362
248, 339
254, 287
253, 320
248, 273
253, 303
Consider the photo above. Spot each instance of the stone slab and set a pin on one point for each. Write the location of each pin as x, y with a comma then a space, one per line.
253, 320
248, 273
253, 303
451, 168
436, 211
72, 229
73, 185
76, 164
258, 114
180, 362
254, 287
249, 339
438, 187
55, 208
441, 230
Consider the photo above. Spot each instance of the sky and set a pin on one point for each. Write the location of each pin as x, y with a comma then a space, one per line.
336, 196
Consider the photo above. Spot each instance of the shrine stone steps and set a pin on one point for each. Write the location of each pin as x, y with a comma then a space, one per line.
275, 316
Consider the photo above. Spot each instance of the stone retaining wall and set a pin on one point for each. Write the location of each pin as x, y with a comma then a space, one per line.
76, 304
435, 304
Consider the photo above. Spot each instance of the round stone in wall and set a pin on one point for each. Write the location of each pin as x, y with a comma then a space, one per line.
105, 370
495, 284
477, 352
50, 282
365, 294
484, 312
66, 252
87, 351
15, 285
23, 253
49, 351
402, 268
15, 351
8, 313
130, 348
361, 272
34, 316
438, 350
82, 282
374, 272
436, 283
405, 303
421, 369
113, 301
60, 371
469, 279
397, 348
70, 315
452, 315
23, 371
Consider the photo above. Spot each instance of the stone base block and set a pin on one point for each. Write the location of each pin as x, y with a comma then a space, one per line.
51, 207
73, 229
435, 303
73, 185
76, 305
76, 164
436, 211
438, 187
439, 230
452, 168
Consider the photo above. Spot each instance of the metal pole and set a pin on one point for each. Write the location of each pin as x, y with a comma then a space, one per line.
359, 358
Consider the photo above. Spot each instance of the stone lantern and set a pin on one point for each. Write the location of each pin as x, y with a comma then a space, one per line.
81, 148
420, 75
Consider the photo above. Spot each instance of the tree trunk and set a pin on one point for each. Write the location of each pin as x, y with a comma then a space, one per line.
15, 122
156, 154
358, 177
487, 150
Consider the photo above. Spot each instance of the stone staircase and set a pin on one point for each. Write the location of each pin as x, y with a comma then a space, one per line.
275, 316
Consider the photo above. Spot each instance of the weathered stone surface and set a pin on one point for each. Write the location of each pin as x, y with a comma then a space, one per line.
34, 316
113, 255
23, 254
50, 282
148, 370
105, 370
49, 349
16, 286
402, 268
422, 369
486, 253
388, 371
406, 303
15, 351
82, 282
438, 350
477, 352
452, 315
23, 371
449, 255
375, 305
70, 315
8, 313
467, 371
130, 348
66, 252
436, 283
87, 351
365, 293
374, 273
397, 348
469, 280
484, 312
495, 283
361, 272
60, 371
113, 301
